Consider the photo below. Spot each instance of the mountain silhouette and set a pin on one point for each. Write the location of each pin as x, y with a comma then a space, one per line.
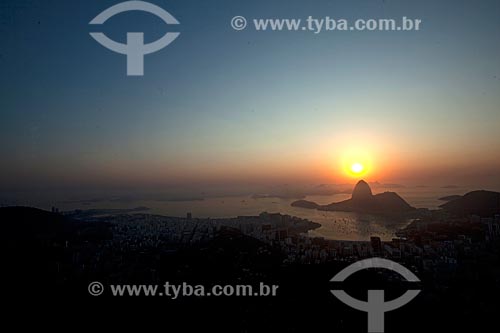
362, 191
363, 201
25, 224
482, 203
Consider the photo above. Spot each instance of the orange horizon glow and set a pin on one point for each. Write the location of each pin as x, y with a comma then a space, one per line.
355, 163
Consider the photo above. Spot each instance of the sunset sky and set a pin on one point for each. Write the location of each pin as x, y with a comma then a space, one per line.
220, 106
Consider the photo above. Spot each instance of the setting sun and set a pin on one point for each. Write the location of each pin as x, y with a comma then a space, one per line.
355, 162
357, 168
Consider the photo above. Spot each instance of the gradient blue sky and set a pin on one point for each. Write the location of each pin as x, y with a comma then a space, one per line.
221, 106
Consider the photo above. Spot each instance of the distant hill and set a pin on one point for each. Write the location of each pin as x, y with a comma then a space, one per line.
482, 203
364, 201
450, 197
26, 224
306, 204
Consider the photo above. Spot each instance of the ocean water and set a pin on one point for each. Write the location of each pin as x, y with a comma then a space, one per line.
334, 225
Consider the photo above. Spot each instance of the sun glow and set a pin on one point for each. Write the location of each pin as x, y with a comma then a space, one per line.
356, 155
357, 168
356, 163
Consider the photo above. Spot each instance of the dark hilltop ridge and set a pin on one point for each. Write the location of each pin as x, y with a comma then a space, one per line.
364, 201
482, 203
450, 197
27, 224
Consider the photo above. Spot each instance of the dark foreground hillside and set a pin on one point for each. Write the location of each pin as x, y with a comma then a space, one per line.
49, 260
